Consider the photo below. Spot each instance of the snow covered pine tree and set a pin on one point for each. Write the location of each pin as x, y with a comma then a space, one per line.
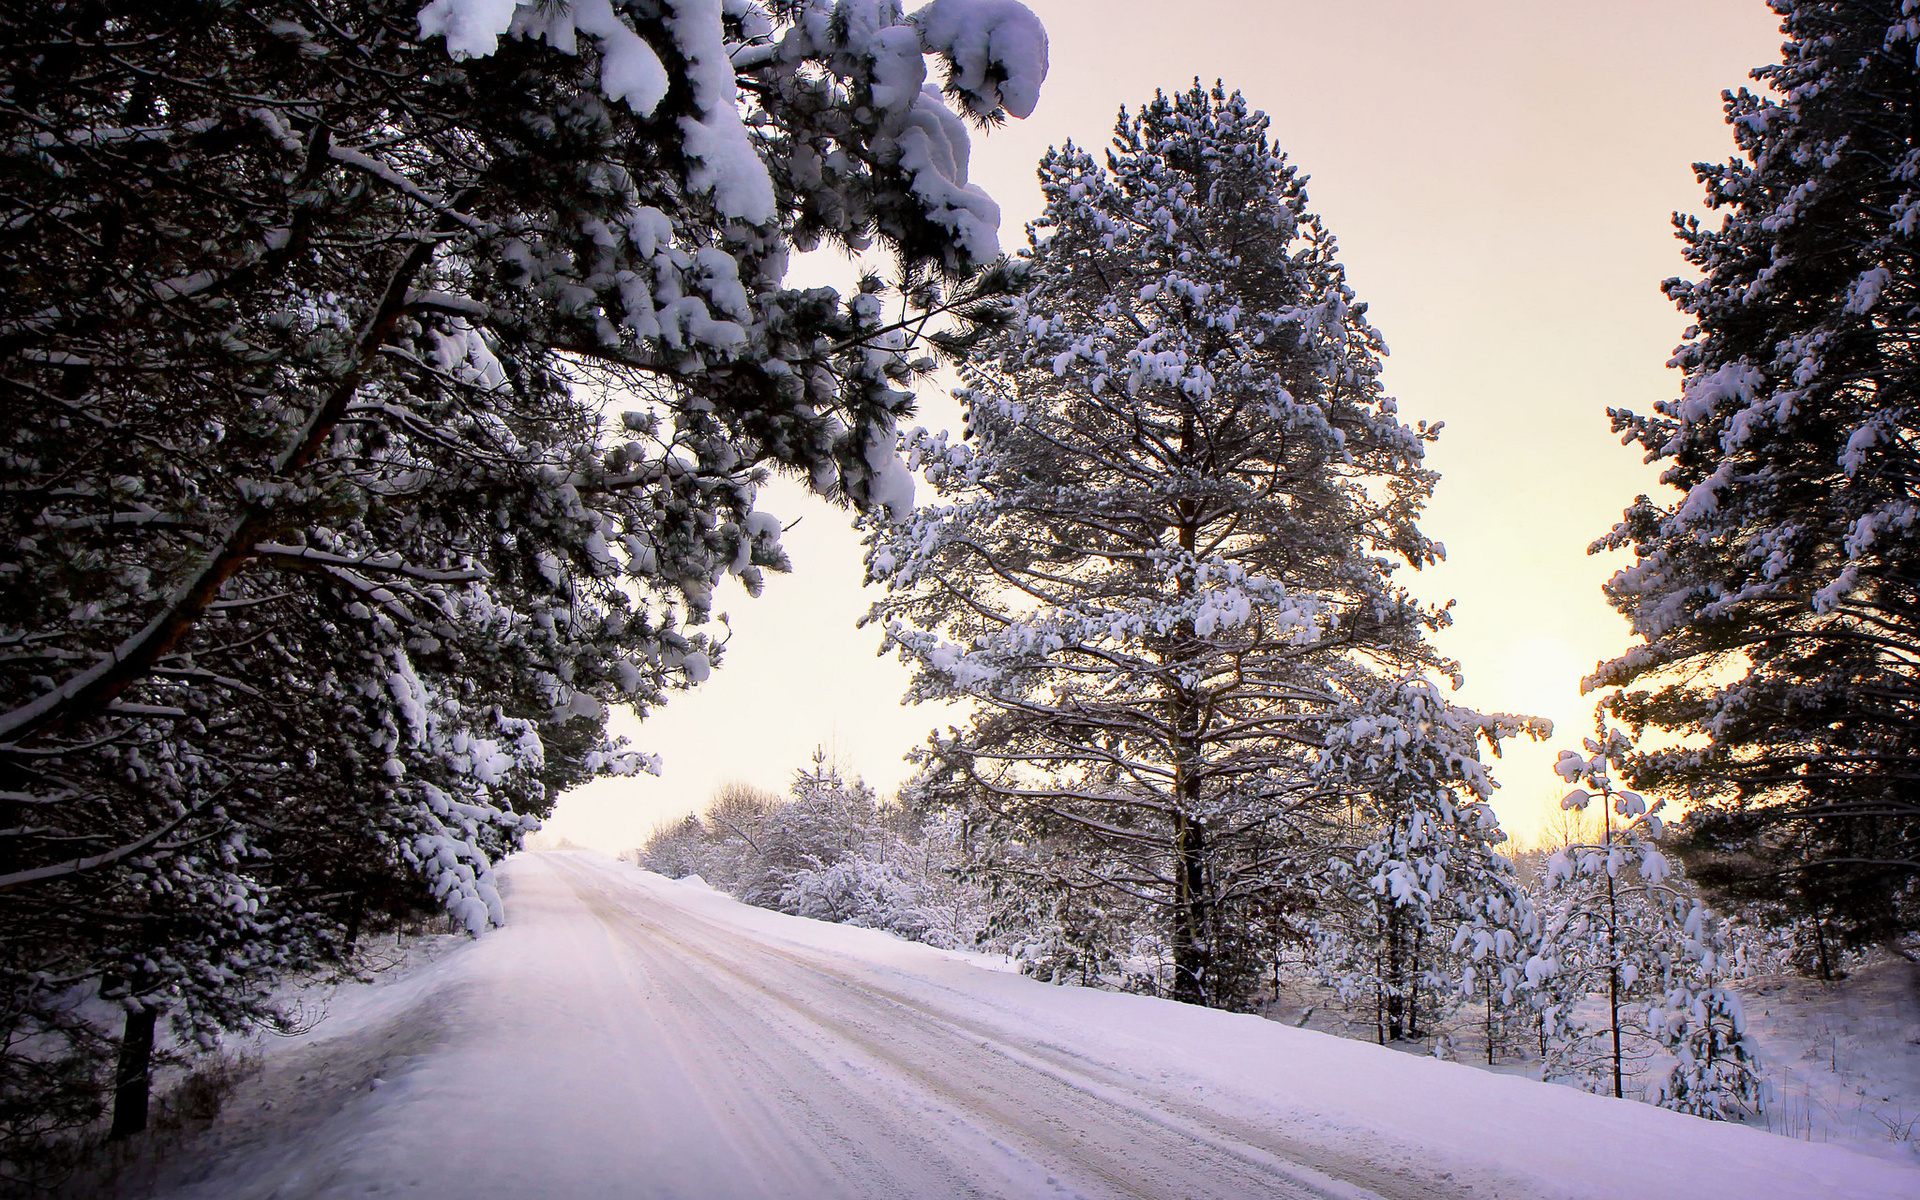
1779, 599
1618, 930
322, 564
1160, 562
1415, 896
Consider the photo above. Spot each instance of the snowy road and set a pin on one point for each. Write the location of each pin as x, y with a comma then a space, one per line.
881, 1090
630, 1037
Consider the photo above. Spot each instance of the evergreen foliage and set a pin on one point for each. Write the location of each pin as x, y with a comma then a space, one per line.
1621, 937
1776, 599
1160, 562
324, 564
1419, 901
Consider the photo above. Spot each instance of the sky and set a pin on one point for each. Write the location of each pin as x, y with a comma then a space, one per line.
1501, 175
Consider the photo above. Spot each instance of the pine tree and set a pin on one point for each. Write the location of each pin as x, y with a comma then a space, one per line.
1160, 561
325, 562
1776, 599
1420, 901
1621, 931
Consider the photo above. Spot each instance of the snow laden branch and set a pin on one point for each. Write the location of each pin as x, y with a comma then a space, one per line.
331, 543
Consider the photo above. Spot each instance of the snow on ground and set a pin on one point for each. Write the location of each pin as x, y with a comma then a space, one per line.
1843, 1059
1840, 1061
630, 1036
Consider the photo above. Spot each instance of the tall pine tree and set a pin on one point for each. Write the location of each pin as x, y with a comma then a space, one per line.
1778, 599
1161, 561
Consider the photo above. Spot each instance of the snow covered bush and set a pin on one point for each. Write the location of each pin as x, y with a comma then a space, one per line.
829, 851
327, 558
1160, 558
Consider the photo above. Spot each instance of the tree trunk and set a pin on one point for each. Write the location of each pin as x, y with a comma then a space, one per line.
133, 1080
1275, 928
1192, 929
1396, 968
1613, 955
1192, 948
1613, 1022
1413, 983
1380, 998
356, 915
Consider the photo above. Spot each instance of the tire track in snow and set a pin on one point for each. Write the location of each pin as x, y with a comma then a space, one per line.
772, 1087
1123, 1090
1070, 1121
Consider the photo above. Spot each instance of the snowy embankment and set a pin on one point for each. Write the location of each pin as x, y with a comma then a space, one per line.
1842, 1058
627, 1035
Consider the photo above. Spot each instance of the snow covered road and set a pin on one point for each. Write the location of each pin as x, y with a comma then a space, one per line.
626, 1036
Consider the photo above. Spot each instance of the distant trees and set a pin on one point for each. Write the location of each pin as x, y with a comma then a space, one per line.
1160, 561
1778, 600
323, 563
831, 851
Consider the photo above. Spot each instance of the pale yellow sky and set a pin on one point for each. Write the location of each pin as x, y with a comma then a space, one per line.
1500, 174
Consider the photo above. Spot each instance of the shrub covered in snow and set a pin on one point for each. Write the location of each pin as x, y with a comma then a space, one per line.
831, 851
